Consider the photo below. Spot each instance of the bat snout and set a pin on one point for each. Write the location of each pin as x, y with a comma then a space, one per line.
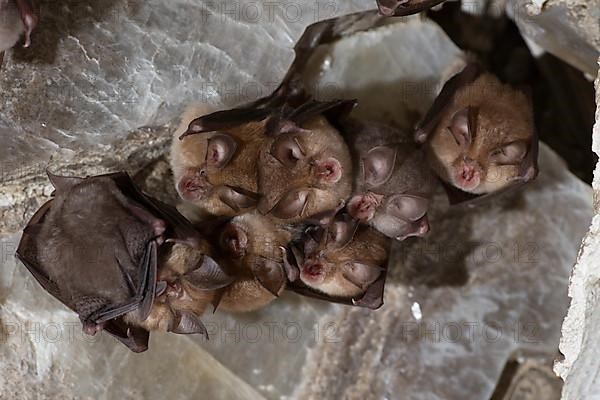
193, 185
363, 207
328, 171
468, 174
313, 272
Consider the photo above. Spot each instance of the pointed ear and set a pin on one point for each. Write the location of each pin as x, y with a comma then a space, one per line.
209, 276
360, 274
378, 165
221, 149
187, 323
462, 126
233, 240
238, 199
287, 150
270, 275
62, 183
291, 271
291, 205
342, 231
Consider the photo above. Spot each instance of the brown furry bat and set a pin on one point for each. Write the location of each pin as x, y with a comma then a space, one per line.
393, 184
479, 134
343, 261
252, 248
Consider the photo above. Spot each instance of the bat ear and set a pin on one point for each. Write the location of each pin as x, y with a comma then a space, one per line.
291, 205
360, 274
209, 275
238, 199
270, 275
221, 149
407, 207
460, 126
342, 231
378, 165
509, 154
188, 323
233, 240
63, 183
291, 270
287, 150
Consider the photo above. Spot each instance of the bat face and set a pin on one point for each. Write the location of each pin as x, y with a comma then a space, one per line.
254, 248
343, 259
217, 170
483, 140
393, 185
304, 171
96, 247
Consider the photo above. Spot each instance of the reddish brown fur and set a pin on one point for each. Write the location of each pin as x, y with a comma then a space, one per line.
265, 239
321, 141
504, 116
188, 155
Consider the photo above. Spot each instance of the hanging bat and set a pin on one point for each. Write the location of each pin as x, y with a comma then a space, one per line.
95, 247
304, 171
393, 184
479, 135
252, 248
399, 8
16, 18
286, 159
216, 170
342, 262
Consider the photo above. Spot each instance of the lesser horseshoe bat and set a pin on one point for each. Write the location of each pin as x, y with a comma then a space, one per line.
252, 249
283, 157
96, 247
216, 170
393, 184
16, 18
479, 135
305, 171
342, 262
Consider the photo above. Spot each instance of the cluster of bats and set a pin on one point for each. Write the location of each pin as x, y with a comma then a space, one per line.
287, 192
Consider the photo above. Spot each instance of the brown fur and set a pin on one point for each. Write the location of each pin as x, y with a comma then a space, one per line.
319, 142
265, 239
504, 116
188, 155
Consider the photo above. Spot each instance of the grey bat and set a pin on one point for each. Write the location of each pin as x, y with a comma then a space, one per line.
95, 247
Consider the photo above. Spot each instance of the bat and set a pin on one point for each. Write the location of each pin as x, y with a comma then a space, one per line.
216, 170
399, 8
393, 183
479, 135
342, 262
304, 171
285, 159
252, 248
16, 18
95, 246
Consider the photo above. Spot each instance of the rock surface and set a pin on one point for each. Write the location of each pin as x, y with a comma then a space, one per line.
488, 285
581, 328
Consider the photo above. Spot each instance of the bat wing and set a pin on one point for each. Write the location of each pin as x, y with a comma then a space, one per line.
372, 298
400, 8
444, 100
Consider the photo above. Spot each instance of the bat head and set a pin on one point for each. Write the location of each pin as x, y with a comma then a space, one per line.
218, 168
255, 246
303, 171
393, 190
342, 259
484, 143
